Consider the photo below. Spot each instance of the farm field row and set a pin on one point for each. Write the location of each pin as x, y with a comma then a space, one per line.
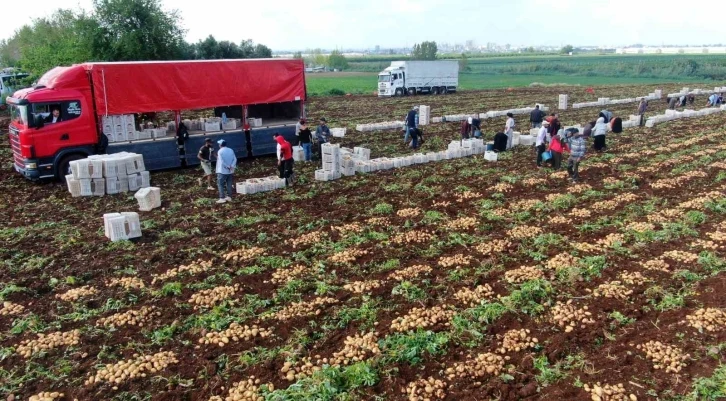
451, 280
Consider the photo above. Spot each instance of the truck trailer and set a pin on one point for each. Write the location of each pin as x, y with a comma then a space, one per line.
271, 91
417, 77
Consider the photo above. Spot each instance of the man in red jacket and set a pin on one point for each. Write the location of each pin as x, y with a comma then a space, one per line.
284, 159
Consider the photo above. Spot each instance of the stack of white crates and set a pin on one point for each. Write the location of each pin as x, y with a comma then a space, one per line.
563, 102
149, 198
264, 184
254, 122
121, 226
338, 132
331, 163
107, 174
424, 115
120, 128
213, 124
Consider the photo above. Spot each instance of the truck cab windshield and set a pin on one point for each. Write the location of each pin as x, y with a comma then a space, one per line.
19, 114
384, 78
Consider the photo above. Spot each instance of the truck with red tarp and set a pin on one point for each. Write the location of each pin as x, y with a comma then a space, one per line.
272, 90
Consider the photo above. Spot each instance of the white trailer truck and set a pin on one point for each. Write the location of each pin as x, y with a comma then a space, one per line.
414, 77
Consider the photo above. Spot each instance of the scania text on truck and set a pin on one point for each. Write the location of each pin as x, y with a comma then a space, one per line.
416, 77
271, 91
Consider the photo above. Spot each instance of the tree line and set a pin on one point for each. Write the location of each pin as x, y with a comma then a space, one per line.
115, 30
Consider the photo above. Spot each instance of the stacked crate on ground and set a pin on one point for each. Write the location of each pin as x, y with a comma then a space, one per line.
121, 226
264, 184
110, 174
254, 122
563, 101
424, 115
338, 132
526, 140
213, 124
379, 126
149, 198
230, 124
490, 156
331, 163
361, 153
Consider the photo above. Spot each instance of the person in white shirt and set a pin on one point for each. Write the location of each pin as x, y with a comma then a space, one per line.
541, 142
509, 129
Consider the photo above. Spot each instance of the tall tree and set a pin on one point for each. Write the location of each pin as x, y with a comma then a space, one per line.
424, 51
137, 30
337, 60
567, 49
297, 55
60, 39
262, 51
464, 63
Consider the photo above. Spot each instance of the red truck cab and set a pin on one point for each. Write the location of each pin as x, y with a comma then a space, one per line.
43, 148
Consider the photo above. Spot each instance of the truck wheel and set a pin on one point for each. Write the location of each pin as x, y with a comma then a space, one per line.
399, 92
444, 90
435, 90
412, 91
64, 167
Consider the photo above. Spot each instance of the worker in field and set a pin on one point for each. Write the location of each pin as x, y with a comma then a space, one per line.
305, 137
500, 142
555, 125
415, 138
672, 103
465, 129
536, 117
299, 124
587, 129
411, 122
682, 100
475, 126
226, 164
285, 161
642, 108
322, 134
599, 132
206, 152
509, 129
577, 152
541, 142
557, 145
713, 101
616, 125
607, 115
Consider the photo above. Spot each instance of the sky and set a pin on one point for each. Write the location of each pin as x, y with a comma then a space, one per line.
355, 24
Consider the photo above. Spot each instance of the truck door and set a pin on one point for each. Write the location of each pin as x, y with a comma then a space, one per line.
59, 132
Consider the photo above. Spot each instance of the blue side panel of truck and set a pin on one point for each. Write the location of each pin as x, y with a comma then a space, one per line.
158, 154
262, 142
236, 140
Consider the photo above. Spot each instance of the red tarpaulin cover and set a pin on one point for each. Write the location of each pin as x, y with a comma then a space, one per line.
135, 87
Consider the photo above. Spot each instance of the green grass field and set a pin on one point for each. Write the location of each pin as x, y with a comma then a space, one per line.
321, 85
513, 71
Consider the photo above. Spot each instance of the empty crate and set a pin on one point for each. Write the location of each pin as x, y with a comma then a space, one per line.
148, 198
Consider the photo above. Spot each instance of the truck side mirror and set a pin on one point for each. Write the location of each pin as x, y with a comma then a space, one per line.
39, 122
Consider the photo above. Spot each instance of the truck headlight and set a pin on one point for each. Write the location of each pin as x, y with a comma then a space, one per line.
31, 166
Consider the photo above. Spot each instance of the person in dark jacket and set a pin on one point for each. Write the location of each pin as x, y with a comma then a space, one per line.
54, 116
465, 129
475, 127
305, 136
642, 108
536, 117
554, 128
410, 122
616, 125
415, 136
500, 142
587, 130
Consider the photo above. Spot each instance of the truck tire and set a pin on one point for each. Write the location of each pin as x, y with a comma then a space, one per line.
399, 92
412, 91
444, 90
435, 90
64, 166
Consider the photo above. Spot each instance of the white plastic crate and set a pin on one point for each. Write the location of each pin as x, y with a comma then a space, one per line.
98, 186
398, 162
86, 188
133, 225
148, 198
330, 149
453, 153
362, 166
123, 184
491, 156
212, 126
338, 132
526, 140
348, 171
87, 168
74, 186
134, 163
112, 185
298, 154
335, 167
362, 153
432, 156
230, 124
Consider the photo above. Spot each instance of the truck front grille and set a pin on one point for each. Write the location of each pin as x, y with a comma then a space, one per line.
13, 136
